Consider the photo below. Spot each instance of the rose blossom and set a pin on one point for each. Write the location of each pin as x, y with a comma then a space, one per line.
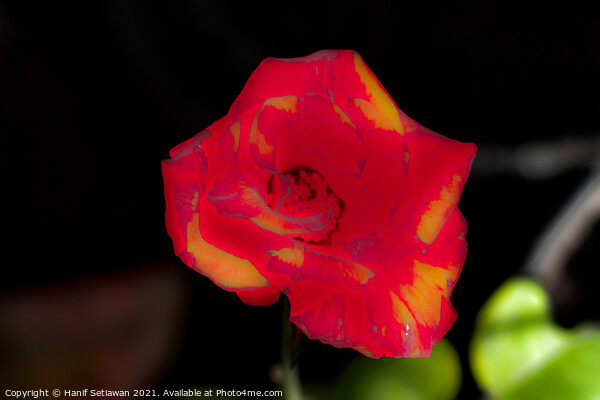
316, 185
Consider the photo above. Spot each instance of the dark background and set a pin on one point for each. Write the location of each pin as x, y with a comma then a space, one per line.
94, 94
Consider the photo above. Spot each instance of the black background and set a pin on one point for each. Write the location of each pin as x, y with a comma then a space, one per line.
94, 94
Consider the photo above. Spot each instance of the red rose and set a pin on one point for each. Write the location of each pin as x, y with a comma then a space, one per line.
317, 185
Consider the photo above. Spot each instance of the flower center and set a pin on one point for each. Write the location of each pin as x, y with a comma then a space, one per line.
309, 195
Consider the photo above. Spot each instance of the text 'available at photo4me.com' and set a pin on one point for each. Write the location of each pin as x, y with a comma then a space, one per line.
105, 393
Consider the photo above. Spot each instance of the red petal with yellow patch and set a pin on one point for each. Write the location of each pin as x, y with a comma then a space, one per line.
315, 184
403, 309
185, 176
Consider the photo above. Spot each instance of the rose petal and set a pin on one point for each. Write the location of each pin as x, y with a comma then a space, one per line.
373, 199
298, 262
340, 319
312, 74
334, 75
234, 196
260, 297
420, 304
245, 240
379, 106
225, 269
306, 132
438, 170
402, 311
185, 176
327, 324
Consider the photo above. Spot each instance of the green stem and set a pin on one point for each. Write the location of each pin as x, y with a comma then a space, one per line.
291, 381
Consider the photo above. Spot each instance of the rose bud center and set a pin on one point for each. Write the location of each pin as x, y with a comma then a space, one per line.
309, 195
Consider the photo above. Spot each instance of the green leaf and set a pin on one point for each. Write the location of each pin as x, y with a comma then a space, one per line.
517, 300
437, 377
572, 374
513, 336
519, 352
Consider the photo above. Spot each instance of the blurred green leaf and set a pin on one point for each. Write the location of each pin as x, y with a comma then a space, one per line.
407, 378
519, 352
517, 300
572, 374
513, 335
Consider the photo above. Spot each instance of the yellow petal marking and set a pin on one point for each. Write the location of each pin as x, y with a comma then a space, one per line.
283, 103
345, 119
384, 112
266, 218
438, 211
224, 268
424, 295
295, 256
292, 255
358, 272
257, 138
235, 132
408, 325
195, 200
